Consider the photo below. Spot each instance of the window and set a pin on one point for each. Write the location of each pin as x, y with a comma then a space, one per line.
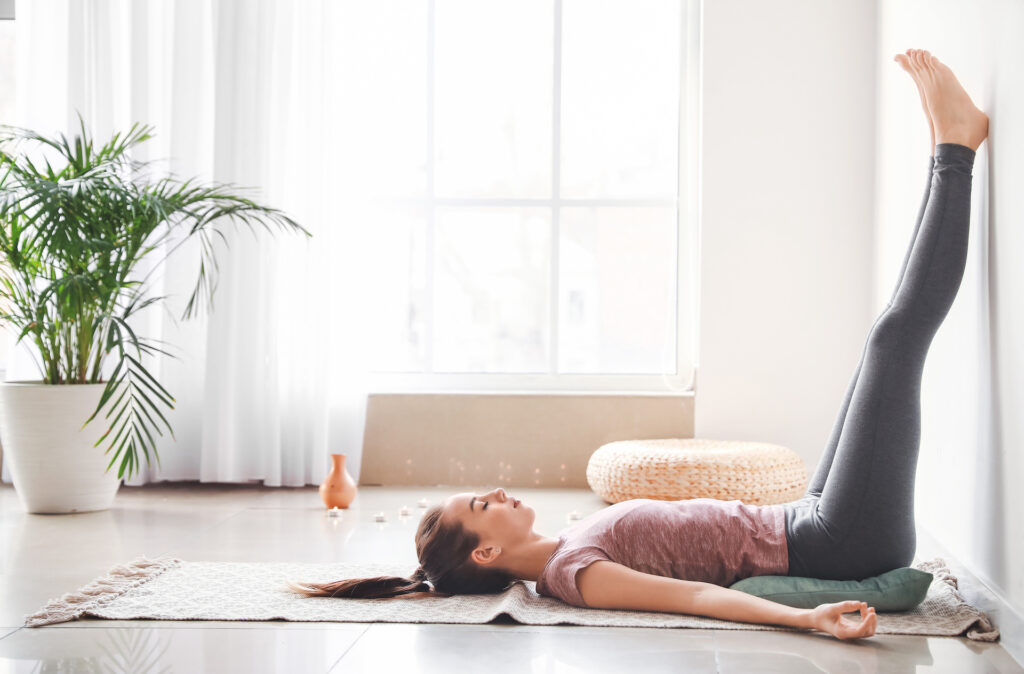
525, 171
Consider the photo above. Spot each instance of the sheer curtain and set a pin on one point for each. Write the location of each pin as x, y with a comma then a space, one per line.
274, 378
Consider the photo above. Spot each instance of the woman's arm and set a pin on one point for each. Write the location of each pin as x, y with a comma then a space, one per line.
606, 584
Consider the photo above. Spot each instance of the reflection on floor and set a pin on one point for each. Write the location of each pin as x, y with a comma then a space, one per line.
45, 556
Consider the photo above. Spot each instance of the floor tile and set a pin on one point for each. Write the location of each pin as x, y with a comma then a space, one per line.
788, 652
426, 649
174, 650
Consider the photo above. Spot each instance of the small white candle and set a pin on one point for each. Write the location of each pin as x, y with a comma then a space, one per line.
404, 510
574, 515
422, 503
333, 512
381, 517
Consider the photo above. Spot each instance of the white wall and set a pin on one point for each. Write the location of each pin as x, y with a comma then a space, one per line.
970, 472
786, 240
815, 150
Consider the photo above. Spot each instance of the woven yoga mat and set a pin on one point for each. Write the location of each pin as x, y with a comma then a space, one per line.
167, 588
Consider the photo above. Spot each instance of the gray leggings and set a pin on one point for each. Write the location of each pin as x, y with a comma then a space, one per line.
856, 518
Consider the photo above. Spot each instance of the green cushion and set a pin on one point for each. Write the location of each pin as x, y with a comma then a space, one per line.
897, 590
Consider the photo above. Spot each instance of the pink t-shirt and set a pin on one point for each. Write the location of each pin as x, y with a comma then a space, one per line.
701, 539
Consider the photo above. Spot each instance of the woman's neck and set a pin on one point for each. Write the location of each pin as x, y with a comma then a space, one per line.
530, 559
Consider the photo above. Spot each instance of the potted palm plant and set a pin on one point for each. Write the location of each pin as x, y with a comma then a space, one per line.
69, 241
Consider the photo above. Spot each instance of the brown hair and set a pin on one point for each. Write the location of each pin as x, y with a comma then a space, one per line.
443, 548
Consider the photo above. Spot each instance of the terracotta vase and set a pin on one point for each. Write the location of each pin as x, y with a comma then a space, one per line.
338, 488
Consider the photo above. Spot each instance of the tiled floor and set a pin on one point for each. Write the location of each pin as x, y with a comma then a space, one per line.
44, 556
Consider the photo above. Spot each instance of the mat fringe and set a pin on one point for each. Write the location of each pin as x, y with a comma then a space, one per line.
982, 628
116, 582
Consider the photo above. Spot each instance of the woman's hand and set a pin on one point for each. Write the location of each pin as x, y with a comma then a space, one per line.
829, 618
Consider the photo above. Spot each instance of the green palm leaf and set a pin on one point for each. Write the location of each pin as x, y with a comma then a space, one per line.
71, 235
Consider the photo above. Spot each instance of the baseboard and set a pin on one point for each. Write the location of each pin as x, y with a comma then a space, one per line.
979, 591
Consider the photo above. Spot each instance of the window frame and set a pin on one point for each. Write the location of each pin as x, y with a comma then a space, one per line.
687, 249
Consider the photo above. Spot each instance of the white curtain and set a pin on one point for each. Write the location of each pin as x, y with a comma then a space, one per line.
273, 379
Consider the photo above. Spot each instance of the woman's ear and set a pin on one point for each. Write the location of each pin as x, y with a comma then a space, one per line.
486, 555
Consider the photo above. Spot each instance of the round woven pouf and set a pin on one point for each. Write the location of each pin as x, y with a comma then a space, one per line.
674, 469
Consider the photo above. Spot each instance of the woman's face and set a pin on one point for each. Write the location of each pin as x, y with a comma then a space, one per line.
501, 521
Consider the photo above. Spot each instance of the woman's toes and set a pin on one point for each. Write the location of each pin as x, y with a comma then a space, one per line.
924, 68
916, 57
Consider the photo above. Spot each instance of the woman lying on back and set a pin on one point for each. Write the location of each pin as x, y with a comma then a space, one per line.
856, 519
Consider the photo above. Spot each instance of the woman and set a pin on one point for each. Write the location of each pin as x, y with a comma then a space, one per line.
856, 519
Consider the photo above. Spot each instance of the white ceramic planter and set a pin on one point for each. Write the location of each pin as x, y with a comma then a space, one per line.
54, 466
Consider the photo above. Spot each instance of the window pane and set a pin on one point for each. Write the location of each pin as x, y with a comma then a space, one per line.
397, 279
493, 80
617, 290
491, 290
377, 66
620, 89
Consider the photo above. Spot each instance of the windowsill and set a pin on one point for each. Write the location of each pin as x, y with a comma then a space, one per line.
509, 438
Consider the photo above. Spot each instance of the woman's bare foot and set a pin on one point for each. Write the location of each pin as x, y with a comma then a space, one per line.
956, 118
904, 61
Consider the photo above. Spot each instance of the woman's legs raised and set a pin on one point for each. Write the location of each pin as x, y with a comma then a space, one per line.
863, 523
817, 481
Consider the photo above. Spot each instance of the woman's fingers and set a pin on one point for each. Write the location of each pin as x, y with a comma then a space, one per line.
870, 623
848, 629
851, 630
867, 625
